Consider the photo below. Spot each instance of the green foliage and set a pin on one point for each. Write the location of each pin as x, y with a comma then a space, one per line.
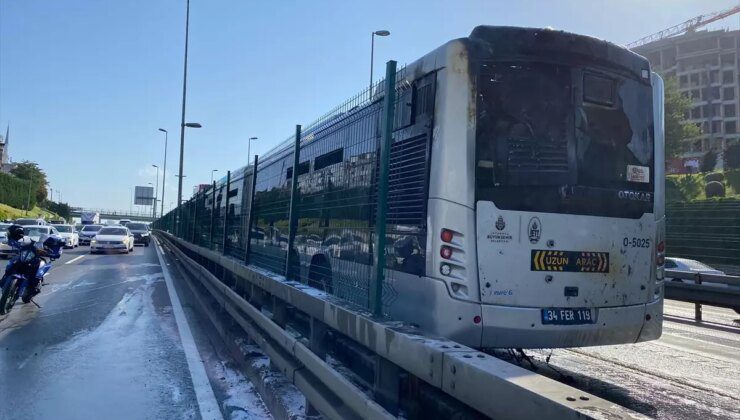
14, 192
677, 129
30, 171
673, 192
714, 176
62, 209
690, 186
733, 180
732, 157
709, 162
714, 189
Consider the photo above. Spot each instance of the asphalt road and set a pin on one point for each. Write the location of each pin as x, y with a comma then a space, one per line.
105, 343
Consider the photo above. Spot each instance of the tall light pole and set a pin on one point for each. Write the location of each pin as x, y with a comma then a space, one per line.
212, 171
154, 207
249, 147
372, 52
164, 169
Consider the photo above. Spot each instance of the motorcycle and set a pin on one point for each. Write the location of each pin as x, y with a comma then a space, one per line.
21, 273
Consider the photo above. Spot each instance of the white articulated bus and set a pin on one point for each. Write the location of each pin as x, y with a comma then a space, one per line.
525, 201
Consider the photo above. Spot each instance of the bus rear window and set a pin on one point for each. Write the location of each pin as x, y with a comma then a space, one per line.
557, 138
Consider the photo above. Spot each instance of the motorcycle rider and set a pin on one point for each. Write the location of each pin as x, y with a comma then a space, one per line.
47, 246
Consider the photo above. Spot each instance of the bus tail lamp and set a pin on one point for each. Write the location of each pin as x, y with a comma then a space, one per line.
445, 252
660, 254
446, 235
445, 269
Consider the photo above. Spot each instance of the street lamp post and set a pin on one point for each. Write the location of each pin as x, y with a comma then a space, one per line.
164, 169
212, 171
154, 207
372, 52
249, 146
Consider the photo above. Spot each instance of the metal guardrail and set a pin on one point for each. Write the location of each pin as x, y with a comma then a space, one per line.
477, 382
724, 290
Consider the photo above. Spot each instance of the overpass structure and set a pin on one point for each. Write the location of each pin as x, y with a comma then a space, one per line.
114, 214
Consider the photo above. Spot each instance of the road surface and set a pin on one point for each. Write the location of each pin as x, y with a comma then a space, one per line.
691, 372
106, 344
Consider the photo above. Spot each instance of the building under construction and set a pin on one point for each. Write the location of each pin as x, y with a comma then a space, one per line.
706, 65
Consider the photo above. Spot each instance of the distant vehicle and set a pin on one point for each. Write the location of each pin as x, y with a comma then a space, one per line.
88, 232
90, 218
30, 222
112, 238
35, 232
124, 222
58, 222
78, 227
685, 264
5, 249
141, 233
69, 234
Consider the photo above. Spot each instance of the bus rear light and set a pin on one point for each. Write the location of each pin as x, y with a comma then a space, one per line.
446, 235
445, 252
660, 254
477, 319
445, 269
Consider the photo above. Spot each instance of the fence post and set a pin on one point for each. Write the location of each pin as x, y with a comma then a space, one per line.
389, 102
250, 219
195, 217
697, 306
226, 210
293, 215
213, 214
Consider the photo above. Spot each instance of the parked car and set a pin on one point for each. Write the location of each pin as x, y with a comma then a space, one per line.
70, 235
88, 232
35, 232
141, 233
5, 250
112, 238
30, 222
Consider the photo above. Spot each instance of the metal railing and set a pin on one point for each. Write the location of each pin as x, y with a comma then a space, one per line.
703, 289
438, 372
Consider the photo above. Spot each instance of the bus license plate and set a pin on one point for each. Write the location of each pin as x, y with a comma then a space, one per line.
568, 316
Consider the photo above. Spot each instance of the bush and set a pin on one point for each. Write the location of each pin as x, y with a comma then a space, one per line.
732, 157
708, 162
690, 186
733, 180
714, 189
714, 176
672, 191
14, 192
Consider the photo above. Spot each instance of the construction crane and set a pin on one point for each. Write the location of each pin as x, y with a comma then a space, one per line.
688, 26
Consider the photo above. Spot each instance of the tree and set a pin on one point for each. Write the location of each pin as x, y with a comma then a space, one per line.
30, 171
732, 157
677, 129
709, 161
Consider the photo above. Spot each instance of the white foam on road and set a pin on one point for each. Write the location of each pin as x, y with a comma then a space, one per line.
207, 403
74, 259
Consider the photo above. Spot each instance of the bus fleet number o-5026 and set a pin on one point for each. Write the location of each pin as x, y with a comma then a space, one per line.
636, 242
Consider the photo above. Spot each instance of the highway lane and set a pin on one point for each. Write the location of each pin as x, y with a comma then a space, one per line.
105, 343
691, 372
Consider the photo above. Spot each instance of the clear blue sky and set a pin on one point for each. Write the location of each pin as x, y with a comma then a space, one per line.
85, 84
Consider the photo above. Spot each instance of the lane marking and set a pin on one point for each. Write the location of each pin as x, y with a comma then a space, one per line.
73, 260
207, 404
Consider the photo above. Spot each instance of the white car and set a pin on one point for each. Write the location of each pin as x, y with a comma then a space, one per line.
5, 250
35, 232
693, 266
70, 235
112, 238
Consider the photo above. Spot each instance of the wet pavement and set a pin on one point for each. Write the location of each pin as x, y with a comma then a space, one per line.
105, 344
691, 372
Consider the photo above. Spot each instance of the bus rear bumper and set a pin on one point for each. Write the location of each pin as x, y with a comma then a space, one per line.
506, 326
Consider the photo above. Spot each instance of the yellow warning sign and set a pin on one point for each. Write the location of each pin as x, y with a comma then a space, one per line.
573, 261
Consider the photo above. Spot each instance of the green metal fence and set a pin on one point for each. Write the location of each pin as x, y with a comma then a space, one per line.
331, 243
708, 231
